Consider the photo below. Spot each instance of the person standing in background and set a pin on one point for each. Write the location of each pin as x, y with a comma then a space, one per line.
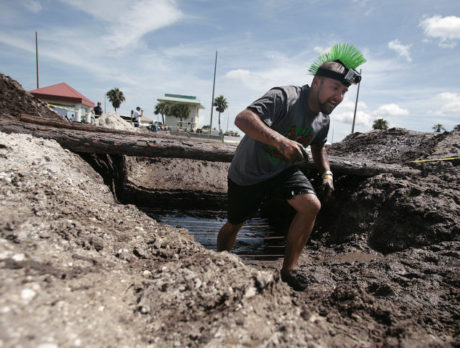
137, 116
97, 110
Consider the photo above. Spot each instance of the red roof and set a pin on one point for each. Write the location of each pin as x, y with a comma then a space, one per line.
61, 92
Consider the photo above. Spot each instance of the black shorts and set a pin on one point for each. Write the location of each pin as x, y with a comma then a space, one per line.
244, 201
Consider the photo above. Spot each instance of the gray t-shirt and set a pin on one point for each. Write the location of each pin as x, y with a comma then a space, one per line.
284, 109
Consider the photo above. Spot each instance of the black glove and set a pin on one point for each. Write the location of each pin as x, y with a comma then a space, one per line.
300, 156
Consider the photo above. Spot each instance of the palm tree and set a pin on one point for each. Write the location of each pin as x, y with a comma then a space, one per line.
116, 97
438, 128
180, 110
380, 124
221, 104
162, 109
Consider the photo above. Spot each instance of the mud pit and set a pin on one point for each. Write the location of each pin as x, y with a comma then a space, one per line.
79, 269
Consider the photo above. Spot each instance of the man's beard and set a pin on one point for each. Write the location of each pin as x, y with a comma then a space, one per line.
328, 106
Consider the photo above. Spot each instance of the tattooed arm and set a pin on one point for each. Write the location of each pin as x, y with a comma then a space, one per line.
251, 124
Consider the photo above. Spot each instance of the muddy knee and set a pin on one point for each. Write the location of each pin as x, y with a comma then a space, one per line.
307, 204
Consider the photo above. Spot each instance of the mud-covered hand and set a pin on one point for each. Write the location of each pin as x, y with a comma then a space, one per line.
300, 156
292, 151
327, 185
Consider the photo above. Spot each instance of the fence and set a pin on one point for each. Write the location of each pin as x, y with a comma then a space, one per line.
198, 135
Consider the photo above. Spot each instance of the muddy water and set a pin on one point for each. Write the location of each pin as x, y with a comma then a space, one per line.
257, 240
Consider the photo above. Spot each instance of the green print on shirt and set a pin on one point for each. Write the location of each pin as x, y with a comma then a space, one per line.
299, 134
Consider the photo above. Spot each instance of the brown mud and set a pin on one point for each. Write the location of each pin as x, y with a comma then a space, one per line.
77, 268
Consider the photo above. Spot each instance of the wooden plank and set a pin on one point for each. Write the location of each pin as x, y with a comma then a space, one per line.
90, 139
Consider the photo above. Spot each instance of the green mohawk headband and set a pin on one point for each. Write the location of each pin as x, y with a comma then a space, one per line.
345, 54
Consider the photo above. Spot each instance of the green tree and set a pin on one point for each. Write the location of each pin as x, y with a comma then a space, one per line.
182, 111
380, 124
438, 128
116, 97
221, 105
162, 109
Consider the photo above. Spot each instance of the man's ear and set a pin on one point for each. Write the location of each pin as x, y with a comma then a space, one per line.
315, 82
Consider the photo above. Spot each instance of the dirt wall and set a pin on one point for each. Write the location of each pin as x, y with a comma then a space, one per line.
79, 269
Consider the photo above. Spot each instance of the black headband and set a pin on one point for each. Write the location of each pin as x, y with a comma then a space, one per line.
333, 75
347, 78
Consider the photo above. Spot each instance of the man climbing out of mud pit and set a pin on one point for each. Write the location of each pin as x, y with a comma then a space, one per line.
278, 126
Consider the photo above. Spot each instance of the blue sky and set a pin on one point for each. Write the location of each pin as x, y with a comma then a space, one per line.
150, 47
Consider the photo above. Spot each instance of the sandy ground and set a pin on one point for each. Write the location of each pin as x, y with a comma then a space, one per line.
79, 269
178, 173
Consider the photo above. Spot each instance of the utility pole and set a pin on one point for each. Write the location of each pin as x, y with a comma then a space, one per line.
213, 89
36, 59
356, 106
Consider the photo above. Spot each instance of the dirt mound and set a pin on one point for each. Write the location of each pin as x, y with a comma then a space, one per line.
76, 268
447, 145
395, 145
114, 121
14, 101
398, 213
79, 269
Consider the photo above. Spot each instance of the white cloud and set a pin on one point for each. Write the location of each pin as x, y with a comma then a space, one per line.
402, 50
141, 18
390, 110
255, 81
362, 118
33, 6
238, 74
183, 50
342, 120
345, 112
273, 69
129, 21
321, 49
13, 41
445, 28
449, 103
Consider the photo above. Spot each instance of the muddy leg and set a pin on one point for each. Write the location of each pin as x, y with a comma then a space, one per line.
227, 236
307, 207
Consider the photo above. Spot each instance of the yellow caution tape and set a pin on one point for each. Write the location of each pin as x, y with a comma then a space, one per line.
83, 111
435, 160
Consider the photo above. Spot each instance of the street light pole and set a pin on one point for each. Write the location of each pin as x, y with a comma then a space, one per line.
213, 89
36, 60
356, 106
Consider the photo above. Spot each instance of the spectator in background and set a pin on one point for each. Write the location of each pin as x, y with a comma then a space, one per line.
137, 116
97, 110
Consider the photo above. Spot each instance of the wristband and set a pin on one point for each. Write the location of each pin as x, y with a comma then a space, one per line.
326, 173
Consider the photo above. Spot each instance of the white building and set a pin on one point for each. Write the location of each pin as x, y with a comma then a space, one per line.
174, 123
66, 101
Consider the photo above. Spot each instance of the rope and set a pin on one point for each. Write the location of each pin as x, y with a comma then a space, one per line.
435, 160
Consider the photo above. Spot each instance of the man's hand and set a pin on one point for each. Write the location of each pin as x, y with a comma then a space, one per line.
300, 156
327, 186
293, 151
